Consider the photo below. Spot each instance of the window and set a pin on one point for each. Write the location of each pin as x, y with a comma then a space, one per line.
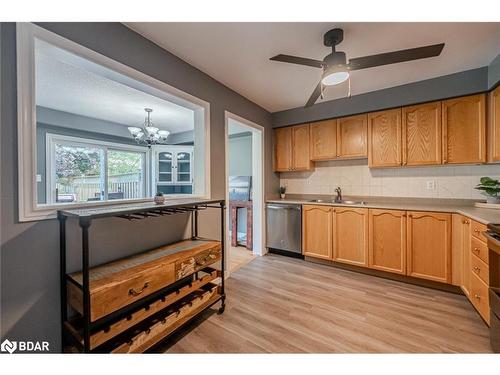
83, 170
80, 95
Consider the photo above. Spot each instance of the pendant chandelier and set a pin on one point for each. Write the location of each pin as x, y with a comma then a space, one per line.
148, 134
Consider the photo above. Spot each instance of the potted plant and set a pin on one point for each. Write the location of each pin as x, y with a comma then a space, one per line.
159, 198
491, 189
282, 192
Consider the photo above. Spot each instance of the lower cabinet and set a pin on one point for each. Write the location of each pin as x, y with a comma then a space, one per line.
387, 240
317, 231
350, 236
429, 246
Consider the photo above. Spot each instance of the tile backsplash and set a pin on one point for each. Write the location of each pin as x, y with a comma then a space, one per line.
356, 178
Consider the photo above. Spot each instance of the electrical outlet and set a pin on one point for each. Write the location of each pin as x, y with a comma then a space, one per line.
38, 178
431, 185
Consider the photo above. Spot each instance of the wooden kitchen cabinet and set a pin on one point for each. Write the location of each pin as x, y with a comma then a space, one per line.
387, 240
384, 138
352, 136
494, 126
291, 149
429, 246
350, 235
282, 149
464, 130
317, 231
422, 134
323, 135
461, 250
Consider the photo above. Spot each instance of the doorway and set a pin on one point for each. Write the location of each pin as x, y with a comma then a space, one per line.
244, 191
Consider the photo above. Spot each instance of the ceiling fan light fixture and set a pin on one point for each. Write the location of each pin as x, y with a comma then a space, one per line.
331, 78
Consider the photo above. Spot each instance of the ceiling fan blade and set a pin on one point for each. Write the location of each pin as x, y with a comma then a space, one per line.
395, 57
298, 60
314, 96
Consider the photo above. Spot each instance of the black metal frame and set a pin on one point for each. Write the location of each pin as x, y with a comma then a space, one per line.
128, 212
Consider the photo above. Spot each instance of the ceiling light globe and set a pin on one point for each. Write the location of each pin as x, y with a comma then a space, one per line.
152, 130
163, 133
334, 78
134, 130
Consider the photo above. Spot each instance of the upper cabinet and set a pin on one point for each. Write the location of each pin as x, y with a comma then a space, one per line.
283, 149
323, 140
291, 149
301, 160
494, 126
464, 130
451, 131
352, 137
384, 138
422, 134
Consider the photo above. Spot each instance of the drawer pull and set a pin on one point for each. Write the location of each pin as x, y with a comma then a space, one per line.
476, 230
477, 269
477, 296
476, 250
134, 293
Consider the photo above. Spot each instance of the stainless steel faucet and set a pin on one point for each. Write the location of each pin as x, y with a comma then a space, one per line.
338, 198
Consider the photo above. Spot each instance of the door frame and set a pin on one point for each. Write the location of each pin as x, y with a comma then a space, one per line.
258, 183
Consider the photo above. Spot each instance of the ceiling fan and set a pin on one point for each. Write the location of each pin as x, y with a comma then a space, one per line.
336, 68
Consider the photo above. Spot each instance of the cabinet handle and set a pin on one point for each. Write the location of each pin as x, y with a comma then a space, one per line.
476, 230
477, 296
477, 269
466, 222
134, 293
476, 250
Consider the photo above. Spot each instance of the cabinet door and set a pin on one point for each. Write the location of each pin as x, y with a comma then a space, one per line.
384, 138
387, 240
282, 149
301, 160
324, 140
460, 256
429, 246
422, 134
352, 137
317, 231
350, 236
464, 130
494, 126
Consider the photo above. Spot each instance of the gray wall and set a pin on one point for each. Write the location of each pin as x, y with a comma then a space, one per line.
458, 84
240, 155
494, 72
29, 251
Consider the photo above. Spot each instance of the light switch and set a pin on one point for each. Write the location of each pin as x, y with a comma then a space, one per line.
38, 178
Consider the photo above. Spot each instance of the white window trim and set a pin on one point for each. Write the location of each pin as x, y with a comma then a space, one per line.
52, 139
29, 209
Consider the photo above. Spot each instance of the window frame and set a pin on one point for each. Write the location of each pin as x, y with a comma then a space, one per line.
53, 139
26, 33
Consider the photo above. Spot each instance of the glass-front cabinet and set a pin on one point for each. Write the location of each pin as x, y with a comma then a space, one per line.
173, 169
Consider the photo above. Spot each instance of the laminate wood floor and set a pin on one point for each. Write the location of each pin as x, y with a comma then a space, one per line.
238, 257
283, 305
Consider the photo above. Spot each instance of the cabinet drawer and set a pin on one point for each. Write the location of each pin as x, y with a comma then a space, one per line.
480, 269
115, 285
479, 297
479, 249
477, 230
192, 264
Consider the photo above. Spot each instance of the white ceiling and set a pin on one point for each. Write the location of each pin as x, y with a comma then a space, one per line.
237, 54
64, 83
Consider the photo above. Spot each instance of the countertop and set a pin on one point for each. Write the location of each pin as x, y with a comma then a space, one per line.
459, 206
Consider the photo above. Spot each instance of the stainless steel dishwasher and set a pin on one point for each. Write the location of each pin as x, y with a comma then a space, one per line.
284, 228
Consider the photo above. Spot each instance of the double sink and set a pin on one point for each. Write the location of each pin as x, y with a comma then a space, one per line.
343, 201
